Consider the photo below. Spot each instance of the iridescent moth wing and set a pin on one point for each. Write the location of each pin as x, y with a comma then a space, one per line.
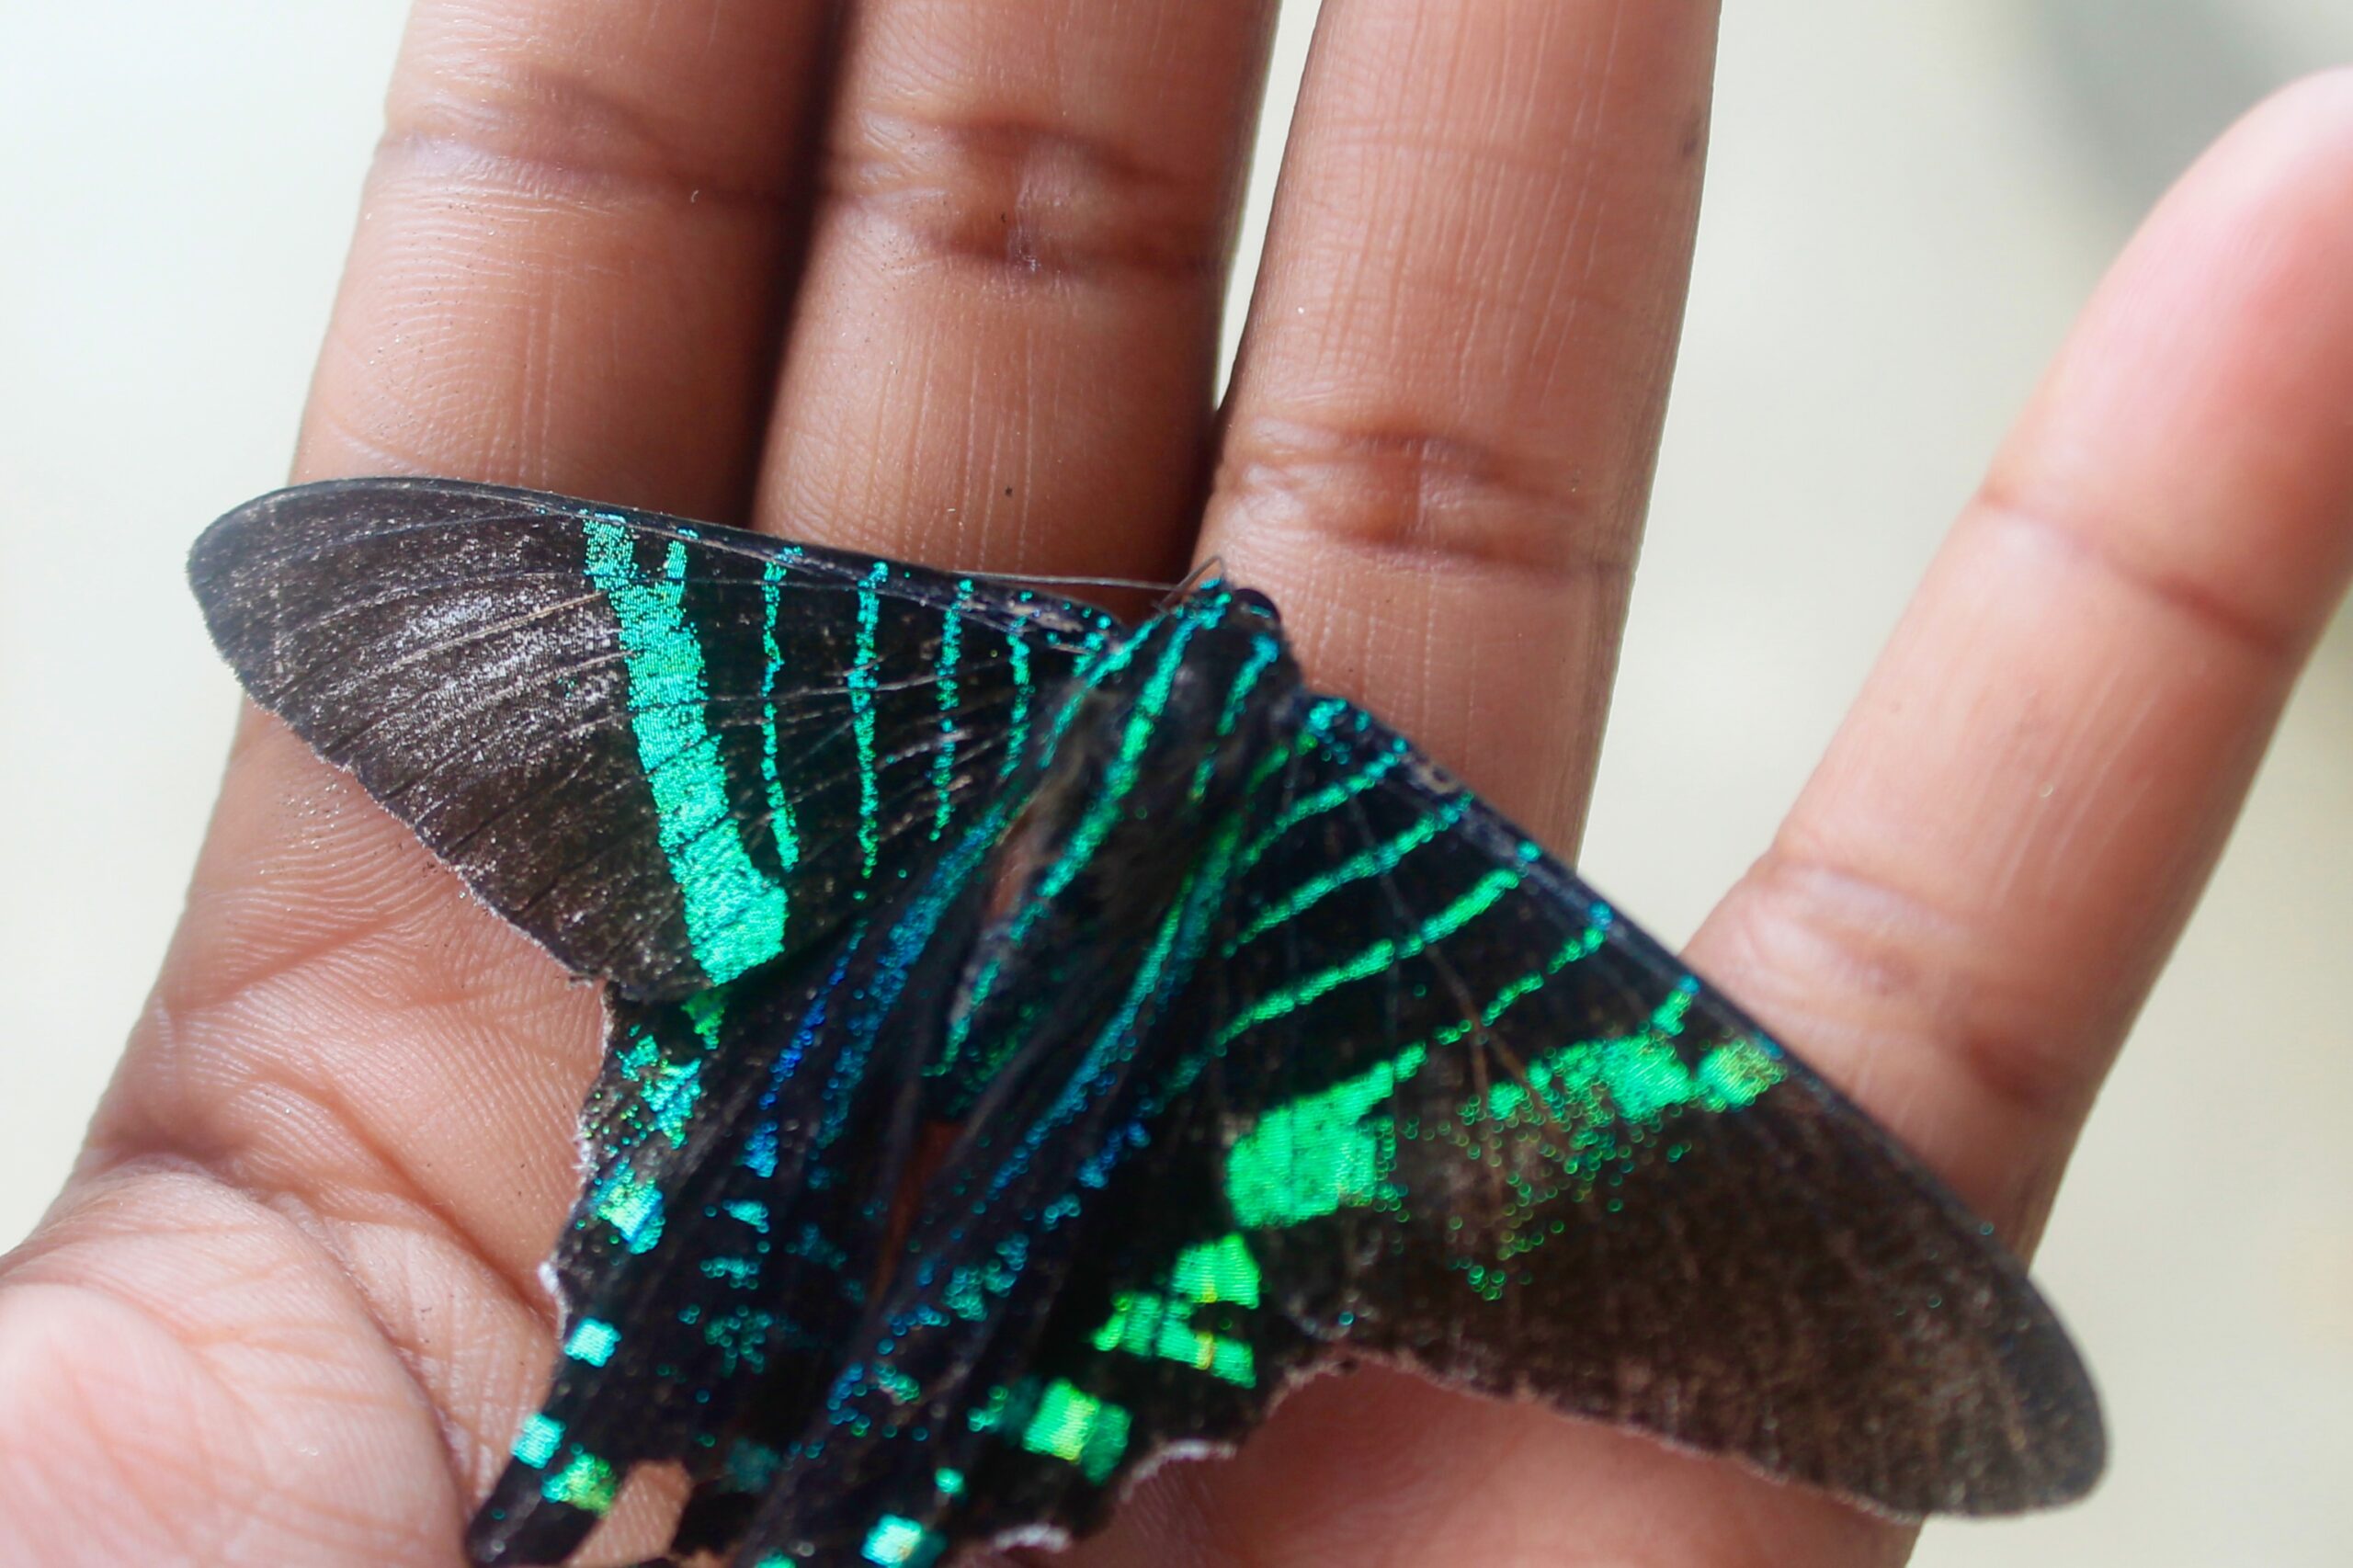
1037, 1045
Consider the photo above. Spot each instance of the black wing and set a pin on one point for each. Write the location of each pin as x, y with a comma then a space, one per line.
669, 751
743, 1150
1502, 1136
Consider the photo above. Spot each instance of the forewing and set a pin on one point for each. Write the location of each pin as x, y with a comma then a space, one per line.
669, 751
1502, 1136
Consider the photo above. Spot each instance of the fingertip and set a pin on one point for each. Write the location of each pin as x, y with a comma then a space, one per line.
2199, 422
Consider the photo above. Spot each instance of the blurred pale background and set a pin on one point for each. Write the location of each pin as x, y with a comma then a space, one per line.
1906, 205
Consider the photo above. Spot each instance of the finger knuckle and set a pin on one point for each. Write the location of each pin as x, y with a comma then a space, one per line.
1427, 499
1024, 204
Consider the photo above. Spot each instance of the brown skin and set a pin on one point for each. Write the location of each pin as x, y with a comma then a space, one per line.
286, 1311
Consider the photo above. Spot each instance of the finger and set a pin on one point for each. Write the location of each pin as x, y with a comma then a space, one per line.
568, 250
1974, 893
1003, 352
1444, 419
1438, 447
563, 275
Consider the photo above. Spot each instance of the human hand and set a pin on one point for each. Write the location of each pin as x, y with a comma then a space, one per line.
288, 1311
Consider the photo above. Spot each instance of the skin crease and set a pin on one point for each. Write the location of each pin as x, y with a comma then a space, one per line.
951, 293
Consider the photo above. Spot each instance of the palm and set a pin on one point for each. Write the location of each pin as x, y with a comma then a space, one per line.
289, 1311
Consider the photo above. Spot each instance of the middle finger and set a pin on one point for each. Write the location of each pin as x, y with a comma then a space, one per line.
1003, 350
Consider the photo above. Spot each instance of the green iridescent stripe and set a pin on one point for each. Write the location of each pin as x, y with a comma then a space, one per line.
1378, 860
1377, 957
1120, 777
943, 761
780, 826
1017, 724
1326, 1151
863, 683
1263, 651
1315, 803
735, 915
1102, 809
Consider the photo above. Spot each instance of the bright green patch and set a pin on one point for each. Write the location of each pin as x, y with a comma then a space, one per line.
735, 915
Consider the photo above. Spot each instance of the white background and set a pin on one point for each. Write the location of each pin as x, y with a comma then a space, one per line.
1906, 205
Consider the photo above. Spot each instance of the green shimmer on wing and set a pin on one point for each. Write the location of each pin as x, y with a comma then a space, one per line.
1377, 958
1376, 860
862, 684
586, 1483
1307, 807
896, 1543
1222, 1271
1146, 1325
735, 915
943, 760
632, 1207
780, 828
1159, 1323
1017, 723
1639, 1077
1338, 1147
1072, 1425
1321, 1153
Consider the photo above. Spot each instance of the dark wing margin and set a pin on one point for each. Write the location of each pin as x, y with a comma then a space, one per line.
1504, 1137
669, 751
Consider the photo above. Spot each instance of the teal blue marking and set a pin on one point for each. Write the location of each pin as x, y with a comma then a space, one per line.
592, 1341
863, 684
948, 1482
943, 761
780, 827
671, 1099
734, 915
751, 1212
896, 1543
743, 1273
1376, 957
537, 1441
750, 1466
1378, 860
740, 1334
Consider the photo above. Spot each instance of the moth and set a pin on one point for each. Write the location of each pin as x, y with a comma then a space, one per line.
1035, 1044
